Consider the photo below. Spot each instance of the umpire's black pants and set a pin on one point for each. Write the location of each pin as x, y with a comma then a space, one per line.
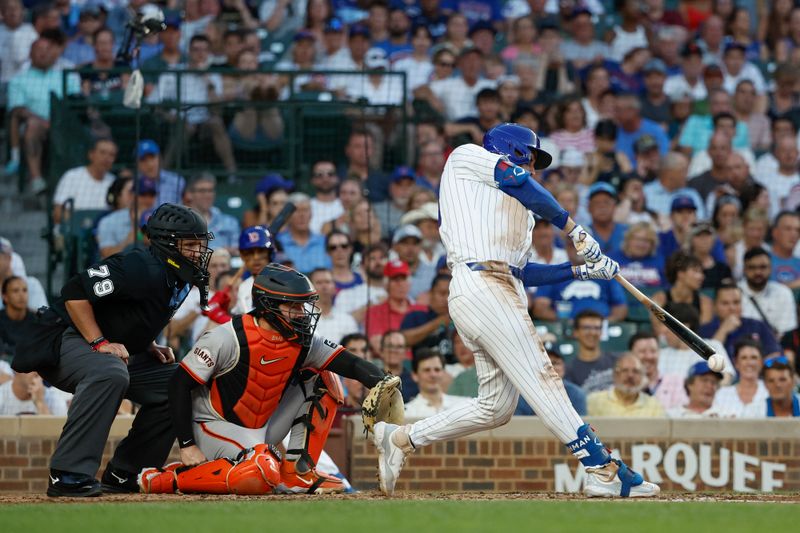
99, 382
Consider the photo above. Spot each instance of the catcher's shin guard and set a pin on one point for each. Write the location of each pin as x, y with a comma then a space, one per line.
315, 424
257, 472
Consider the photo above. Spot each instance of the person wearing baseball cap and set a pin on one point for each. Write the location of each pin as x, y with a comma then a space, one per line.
257, 249
407, 245
701, 386
389, 315
148, 165
655, 104
389, 211
683, 214
690, 79
120, 229
609, 234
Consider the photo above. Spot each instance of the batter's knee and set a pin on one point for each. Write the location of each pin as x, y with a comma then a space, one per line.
494, 412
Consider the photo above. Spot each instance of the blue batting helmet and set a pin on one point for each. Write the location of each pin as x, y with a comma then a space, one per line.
517, 142
255, 237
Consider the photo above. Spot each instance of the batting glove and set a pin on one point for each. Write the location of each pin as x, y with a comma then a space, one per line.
605, 269
585, 244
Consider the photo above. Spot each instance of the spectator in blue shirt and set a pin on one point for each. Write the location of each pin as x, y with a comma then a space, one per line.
603, 200
432, 328
728, 325
671, 182
632, 126
683, 214
779, 380
80, 49
303, 247
638, 257
226, 229
698, 128
785, 235
120, 229
567, 299
169, 185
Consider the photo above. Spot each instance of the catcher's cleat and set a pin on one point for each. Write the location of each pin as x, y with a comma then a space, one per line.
616, 480
311, 481
159, 480
394, 445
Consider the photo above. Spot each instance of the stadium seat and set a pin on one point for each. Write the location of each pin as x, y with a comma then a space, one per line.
619, 333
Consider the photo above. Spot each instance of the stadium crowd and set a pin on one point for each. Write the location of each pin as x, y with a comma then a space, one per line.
674, 133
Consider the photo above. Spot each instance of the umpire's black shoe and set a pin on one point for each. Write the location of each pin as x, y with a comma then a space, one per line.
72, 485
117, 481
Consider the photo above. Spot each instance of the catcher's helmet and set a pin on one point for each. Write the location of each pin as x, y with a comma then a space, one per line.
255, 237
518, 143
277, 284
166, 228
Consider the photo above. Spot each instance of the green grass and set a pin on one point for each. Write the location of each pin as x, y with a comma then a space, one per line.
378, 516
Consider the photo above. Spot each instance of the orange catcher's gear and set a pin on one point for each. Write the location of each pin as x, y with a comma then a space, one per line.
255, 471
249, 393
312, 481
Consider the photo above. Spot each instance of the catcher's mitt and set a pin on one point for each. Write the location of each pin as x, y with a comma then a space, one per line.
384, 403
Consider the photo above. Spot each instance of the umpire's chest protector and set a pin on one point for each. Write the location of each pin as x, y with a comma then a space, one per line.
249, 393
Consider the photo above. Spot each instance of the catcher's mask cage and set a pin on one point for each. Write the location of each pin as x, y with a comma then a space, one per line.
168, 229
277, 284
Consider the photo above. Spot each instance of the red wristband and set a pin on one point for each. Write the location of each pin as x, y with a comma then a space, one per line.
98, 342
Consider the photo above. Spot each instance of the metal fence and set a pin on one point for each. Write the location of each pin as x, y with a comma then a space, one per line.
296, 123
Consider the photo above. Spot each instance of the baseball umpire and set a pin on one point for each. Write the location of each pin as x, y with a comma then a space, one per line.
97, 342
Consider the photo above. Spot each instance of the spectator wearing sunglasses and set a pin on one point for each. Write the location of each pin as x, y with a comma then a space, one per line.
340, 250
779, 380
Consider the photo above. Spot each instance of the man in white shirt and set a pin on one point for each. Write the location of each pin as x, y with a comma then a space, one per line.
16, 38
377, 88
197, 89
333, 325
373, 291
736, 69
428, 373
354, 60
780, 183
701, 386
325, 205
24, 394
455, 97
690, 80
764, 299
88, 185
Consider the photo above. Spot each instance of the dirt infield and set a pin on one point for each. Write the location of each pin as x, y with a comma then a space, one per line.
11, 499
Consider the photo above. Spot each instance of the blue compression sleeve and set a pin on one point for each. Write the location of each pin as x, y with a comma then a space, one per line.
518, 183
537, 274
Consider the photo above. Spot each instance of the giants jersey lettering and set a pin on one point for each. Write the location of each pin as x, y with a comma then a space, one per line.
245, 369
479, 221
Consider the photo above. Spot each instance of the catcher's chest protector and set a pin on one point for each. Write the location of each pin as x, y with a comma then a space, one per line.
249, 393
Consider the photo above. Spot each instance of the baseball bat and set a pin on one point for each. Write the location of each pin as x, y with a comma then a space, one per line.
689, 337
281, 218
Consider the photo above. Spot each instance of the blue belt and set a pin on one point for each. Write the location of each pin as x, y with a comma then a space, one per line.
493, 267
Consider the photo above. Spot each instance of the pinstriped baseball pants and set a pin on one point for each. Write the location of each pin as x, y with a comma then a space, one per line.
489, 309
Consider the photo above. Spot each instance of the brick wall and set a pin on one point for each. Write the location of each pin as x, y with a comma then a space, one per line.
521, 456
26, 443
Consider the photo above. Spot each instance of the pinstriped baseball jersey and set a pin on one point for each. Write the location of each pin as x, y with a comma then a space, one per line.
479, 221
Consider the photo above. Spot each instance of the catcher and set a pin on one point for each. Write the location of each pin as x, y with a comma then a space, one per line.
249, 382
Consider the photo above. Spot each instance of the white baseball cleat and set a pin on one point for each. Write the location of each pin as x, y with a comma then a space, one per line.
394, 445
616, 480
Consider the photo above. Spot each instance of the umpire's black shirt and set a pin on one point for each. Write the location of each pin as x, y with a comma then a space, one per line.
133, 295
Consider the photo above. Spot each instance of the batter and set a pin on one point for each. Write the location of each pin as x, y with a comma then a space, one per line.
487, 200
